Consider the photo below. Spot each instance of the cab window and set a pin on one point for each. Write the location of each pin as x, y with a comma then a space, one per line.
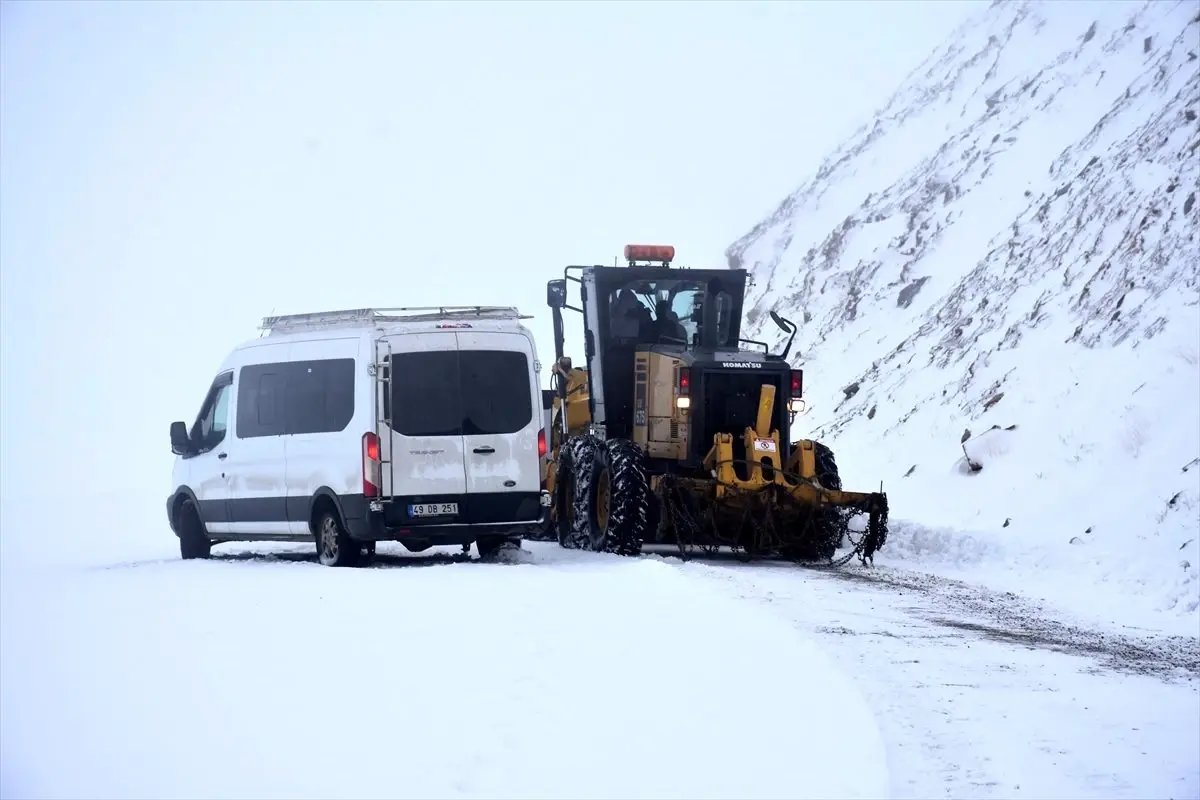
220, 417
653, 311
724, 319
213, 419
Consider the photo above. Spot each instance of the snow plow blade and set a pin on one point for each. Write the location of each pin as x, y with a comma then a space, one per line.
761, 507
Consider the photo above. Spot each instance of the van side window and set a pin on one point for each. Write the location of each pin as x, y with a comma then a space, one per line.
266, 411
291, 397
320, 395
259, 390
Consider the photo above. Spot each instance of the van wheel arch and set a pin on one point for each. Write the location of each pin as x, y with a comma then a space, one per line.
182, 495
324, 499
335, 548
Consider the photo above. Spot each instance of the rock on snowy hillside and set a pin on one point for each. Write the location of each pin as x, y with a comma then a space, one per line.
1008, 253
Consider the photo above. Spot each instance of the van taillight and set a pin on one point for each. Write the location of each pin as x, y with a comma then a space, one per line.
370, 465
541, 443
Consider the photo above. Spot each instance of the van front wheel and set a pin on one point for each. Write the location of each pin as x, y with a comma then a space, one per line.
335, 548
193, 538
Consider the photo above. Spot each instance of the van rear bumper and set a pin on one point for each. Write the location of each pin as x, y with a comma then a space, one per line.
509, 515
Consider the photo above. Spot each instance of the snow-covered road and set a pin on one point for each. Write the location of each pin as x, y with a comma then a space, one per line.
981, 694
564, 674
576, 677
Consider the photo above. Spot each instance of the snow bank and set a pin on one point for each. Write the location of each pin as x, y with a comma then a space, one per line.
247, 677
1096, 509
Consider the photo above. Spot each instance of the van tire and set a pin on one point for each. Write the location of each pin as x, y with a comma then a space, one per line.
335, 548
616, 499
492, 547
193, 536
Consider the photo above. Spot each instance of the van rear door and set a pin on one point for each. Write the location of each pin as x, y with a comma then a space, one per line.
500, 419
426, 444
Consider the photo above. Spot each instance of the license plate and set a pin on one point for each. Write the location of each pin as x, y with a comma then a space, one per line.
432, 509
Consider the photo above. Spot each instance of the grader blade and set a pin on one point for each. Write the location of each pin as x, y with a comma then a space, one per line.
760, 506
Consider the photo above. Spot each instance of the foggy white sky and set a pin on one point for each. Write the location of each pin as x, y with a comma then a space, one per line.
172, 172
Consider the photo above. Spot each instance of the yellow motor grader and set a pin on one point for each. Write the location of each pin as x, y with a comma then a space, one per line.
676, 430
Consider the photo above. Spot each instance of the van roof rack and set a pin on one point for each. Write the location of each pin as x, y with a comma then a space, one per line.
370, 317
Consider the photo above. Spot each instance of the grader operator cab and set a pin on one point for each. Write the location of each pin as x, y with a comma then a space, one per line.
676, 430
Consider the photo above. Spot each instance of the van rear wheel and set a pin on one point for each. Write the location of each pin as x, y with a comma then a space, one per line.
493, 547
335, 548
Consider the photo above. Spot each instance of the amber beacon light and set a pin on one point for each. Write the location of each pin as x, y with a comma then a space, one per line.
663, 253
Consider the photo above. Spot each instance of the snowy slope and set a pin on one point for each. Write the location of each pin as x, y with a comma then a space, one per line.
1008, 252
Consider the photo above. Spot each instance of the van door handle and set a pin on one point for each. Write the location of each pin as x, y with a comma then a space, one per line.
485, 450
222, 456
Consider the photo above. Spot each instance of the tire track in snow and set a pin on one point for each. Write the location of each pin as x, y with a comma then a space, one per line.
982, 694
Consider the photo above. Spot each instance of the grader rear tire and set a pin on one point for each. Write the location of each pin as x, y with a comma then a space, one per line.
575, 457
613, 500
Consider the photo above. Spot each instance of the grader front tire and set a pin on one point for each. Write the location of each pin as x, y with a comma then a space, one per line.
825, 527
827, 468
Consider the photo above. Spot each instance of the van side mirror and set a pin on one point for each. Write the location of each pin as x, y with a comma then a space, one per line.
180, 444
556, 293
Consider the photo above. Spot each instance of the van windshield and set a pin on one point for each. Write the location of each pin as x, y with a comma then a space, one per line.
460, 393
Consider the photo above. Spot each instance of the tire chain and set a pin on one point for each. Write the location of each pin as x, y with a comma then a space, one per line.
582, 451
767, 541
629, 498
